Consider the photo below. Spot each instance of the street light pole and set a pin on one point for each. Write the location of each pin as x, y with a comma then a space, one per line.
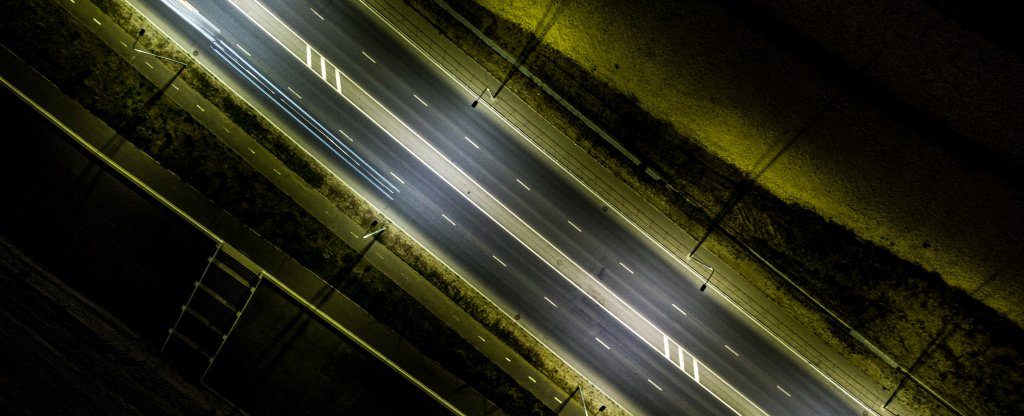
477, 100
183, 64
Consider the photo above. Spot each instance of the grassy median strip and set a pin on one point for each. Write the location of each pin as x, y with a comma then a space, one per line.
960, 347
47, 38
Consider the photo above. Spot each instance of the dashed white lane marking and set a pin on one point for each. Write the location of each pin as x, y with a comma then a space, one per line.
421, 100
655, 385
627, 268
574, 226
453, 224
243, 50
783, 390
250, 150
558, 400
549, 301
499, 261
471, 142
396, 177
508, 359
481, 338
293, 92
524, 185
346, 136
147, 64
124, 44
277, 171
317, 14
176, 87
368, 57
531, 379
97, 21
602, 343
200, 108
680, 310
732, 350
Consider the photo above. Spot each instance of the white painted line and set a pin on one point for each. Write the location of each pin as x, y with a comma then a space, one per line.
732, 351
682, 358
147, 64
481, 338
456, 318
337, 80
309, 56
783, 390
471, 142
254, 152
293, 92
524, 185
97, 21
176, 87
277, 171
354, 234
453, 224
346, 136
225, 129
368, 57
125, 44
602, 343
323, 68
499, 261
667, 352
421, 100
317, 14
627, 268
508, 359
680, 310
558, 400
696, 373
243, 50
549, 301
574, 226
531, 379
655, 385
396, 177
200, 108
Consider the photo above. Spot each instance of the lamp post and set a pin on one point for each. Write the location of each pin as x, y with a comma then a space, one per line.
183, 64
477, 100
579, 390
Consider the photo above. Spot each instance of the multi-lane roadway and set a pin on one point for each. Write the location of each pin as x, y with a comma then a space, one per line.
304, 98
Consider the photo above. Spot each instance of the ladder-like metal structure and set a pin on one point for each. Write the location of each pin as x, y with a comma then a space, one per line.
213, 309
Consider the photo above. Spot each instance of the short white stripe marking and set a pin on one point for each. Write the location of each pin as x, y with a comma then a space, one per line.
499, 261
317, 14
323, 68
243, 50
368, 57
602, 343
667, 352
549, 301
176, 87
677, 308
450, 221
655, 385
574, 226
508, 359
421, 100
337, 79
558, 400
682, 359
471, 142
147, 64
250, 149
531, 379
732, 351
309, 56
277, 171
396, 177
293, 92
696, 373
481, 338
200, 108
97, 21
784, 391
346, 135
627, 268
524, 185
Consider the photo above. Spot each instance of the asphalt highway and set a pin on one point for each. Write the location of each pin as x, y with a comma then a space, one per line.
529, 184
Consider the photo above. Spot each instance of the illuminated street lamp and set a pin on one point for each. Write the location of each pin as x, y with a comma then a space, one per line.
183, 64
582, 399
